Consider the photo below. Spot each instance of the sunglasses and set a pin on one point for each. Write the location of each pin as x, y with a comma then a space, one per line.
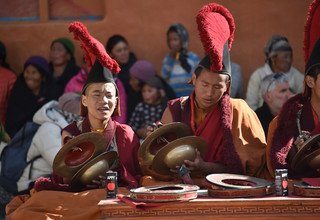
274, 78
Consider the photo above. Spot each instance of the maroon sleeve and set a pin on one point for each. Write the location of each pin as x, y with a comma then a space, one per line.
128, 146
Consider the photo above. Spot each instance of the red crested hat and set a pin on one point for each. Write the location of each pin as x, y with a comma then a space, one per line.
311, 36
102, 66
92, 47
216, 29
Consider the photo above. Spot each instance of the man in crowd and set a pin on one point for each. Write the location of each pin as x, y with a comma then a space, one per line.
275, 90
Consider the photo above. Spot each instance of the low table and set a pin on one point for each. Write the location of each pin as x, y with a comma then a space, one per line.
270, 207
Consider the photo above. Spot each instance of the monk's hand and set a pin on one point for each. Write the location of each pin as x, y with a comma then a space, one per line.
97, 183
197, 164
153, 127
301, 139
298, 142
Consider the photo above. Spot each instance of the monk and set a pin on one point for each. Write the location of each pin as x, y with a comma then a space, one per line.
100, 101
299, 118
233, 133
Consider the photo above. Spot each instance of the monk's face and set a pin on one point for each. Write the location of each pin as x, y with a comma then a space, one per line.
209, 88
100, 100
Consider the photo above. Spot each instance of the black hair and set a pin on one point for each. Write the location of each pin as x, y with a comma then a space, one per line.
114, 40
314, 71
172, 29
3, 56
199, 69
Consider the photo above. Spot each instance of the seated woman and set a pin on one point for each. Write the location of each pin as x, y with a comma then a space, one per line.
29, 93
118, 48
179, 63
62, 65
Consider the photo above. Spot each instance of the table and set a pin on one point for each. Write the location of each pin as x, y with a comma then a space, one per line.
212, 208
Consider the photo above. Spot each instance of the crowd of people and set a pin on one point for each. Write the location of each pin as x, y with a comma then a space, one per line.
206, 94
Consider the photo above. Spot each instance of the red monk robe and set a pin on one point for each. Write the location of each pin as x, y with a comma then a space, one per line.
232, 131
283, 131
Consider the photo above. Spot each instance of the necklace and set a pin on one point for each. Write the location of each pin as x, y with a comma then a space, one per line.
100, 130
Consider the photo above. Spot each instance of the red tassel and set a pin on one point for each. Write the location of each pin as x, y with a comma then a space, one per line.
216, 26
92, 47
311, 29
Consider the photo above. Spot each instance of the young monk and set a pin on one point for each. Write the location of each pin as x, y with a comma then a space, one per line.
232, 131
100, 101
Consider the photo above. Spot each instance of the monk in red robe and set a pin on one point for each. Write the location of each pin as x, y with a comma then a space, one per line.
300, 116
100, 101
233, 133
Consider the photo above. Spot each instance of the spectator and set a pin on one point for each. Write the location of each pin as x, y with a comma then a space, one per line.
140, 72
150, 110
118, 48
278, 54
28, 94
62, 65
179, 63
275, 91
7, 80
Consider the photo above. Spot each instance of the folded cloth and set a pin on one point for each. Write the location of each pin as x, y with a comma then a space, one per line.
144, 205
312, 181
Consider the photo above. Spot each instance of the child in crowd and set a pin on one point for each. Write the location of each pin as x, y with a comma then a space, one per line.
179, 63
140, 72
150, 110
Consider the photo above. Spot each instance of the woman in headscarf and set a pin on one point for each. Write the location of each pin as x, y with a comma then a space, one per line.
179, 63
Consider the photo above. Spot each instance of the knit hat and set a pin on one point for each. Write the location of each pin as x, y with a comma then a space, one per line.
102, 65
155, 82
70, 102
216, 29
66, 43
275, 45
311, 37
142, 70
40, 63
